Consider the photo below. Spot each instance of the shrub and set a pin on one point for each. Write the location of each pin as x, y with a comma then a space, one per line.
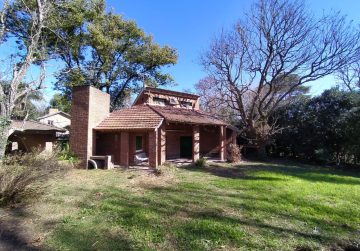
67, 155
23, 175
234, 153
200, 162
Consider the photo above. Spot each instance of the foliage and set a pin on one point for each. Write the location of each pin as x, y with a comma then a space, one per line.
233, 153
67, 155
201, 162
61, 102
21, 176
103, 49
266, 58
324, 128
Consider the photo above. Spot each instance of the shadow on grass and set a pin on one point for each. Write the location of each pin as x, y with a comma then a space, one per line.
189, 217
12, 236
306, 172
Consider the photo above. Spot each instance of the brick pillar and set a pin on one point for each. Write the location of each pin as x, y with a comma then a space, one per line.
162, 145
124, 149
153, 149
196, 143
89, 107
222, 140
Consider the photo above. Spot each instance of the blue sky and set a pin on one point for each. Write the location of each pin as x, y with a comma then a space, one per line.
189, 26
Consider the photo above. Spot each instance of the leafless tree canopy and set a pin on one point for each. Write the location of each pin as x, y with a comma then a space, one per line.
349, 76
271, 53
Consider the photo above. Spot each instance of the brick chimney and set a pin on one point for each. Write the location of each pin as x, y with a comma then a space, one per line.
89, 107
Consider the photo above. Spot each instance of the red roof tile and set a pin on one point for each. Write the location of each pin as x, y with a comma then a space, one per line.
182, 115
136, 117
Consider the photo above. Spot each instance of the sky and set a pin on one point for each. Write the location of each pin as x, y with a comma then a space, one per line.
189, 26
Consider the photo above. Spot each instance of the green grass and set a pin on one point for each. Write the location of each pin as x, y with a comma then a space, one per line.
253, 206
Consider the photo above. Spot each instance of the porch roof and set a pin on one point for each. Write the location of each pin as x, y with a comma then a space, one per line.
150, 117
135, 117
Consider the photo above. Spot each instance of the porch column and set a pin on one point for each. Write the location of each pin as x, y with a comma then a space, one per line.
233, 137
124, 149
196, 143
153, 148
222, 143
162, 146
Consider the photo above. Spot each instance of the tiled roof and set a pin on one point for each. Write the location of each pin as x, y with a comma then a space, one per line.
18, 125
182, 115
136, 117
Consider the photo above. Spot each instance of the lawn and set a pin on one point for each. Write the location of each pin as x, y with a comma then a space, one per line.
252, 206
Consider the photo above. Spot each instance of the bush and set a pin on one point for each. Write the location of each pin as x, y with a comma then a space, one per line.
66, 155
200, 162
23, 175
234, 153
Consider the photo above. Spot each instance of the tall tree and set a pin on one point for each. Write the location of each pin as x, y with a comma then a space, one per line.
277, 42
106, 51
349, 76
22, 23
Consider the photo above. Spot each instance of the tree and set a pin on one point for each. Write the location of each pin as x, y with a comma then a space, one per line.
22, 23
349, 76
25, 107
321, 128
104, 50
264, 58
60, 102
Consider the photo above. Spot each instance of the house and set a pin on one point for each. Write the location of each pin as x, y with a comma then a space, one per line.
26, 136
57, 118
161, 125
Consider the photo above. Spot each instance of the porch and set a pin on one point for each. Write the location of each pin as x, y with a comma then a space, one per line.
169, 142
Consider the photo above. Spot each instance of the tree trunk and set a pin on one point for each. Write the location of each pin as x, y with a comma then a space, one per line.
4, 133
261, 152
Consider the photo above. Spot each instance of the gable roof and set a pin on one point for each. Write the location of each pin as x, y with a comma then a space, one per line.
136, 117
183, 115
29, 125
55, 113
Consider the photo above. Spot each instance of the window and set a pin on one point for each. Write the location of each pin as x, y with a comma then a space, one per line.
159, 101
50, 122
138, 143
186, 104
173, 101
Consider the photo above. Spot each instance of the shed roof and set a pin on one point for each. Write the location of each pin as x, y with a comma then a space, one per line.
29, 125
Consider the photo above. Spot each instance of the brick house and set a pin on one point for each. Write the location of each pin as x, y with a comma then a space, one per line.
161, 125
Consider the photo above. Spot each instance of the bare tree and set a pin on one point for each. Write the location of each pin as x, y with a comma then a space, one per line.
276, 49
33, 21
349, 76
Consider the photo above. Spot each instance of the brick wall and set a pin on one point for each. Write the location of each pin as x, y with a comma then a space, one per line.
89, 107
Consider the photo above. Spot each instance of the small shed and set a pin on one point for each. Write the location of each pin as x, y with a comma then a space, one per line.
25, 136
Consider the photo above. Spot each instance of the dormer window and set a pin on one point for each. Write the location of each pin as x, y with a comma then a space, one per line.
186, 104
159, 101
173, 101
